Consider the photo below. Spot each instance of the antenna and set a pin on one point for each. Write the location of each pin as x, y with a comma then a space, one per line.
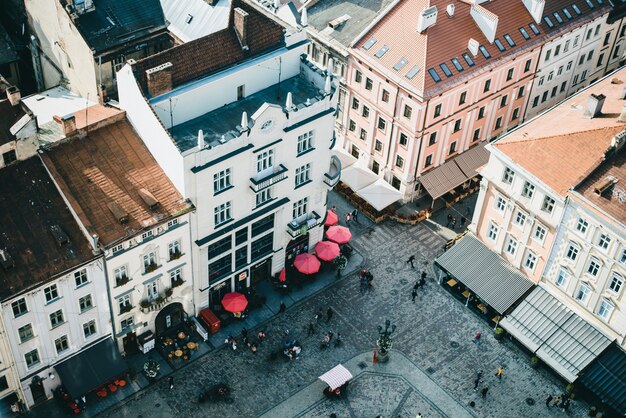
87, 114
171, 118
280, 67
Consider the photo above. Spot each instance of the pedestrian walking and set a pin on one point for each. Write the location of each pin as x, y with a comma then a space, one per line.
411, 260
171, 382
413, 295
334, 209
282, 308
261, 336
500, 372
484, 392
355, 216
557, 401
477, 337
253, 348
548, 400
423, 277
329, 314
311, 330
348, 217
419, 415
449, 220
479, 376
566, 404
453, 222
463, 220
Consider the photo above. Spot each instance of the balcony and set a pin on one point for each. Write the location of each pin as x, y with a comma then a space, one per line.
301, 225
332, 176
268, 178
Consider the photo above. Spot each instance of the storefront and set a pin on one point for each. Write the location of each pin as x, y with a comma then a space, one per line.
170, 316
298, 245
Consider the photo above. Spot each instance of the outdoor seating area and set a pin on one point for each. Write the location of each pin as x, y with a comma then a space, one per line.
179, 344
470, 299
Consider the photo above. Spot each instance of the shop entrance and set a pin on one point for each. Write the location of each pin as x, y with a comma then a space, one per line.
37, 390
296, 246
170, 317
261, 271
217, 292
130, 343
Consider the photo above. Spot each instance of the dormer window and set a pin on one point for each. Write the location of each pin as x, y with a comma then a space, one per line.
508, 175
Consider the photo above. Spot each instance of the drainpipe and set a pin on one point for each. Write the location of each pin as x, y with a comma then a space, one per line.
34, 48
100, 69
419, 150
106, 277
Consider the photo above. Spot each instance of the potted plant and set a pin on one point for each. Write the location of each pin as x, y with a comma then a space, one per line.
151, 369
534, 362
499, 333
159, 300
570, 390
175, 255
126, 308
122, 280
169, 292
151, 267
177, 282
145, 305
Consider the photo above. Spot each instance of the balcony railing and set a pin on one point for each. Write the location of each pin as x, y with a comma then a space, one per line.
265, 180
301, 225
331, 178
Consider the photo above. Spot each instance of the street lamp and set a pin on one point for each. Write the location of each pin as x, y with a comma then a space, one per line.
385, 342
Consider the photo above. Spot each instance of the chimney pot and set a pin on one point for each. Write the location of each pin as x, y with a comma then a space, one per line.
594, 106
159, 79
14, 95
622, 115
623, 95
241, 27
67, 122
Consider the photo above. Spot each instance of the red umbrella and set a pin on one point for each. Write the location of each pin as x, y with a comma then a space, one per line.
331, 218
326, 250
338, 234
282, 277
234, 302
306, 263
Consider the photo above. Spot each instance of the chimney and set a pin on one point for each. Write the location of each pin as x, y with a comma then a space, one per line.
14, 95
159, 79
212, 2
427, 18
623, 95
473, 45
594, 106
535, 8
95, 241
622, 116
450, 9
67, 122
241, 27
604, 185
486, 21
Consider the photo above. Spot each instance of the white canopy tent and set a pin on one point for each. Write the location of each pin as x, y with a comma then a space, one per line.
380, 194
336, 376
346, 159
357, 177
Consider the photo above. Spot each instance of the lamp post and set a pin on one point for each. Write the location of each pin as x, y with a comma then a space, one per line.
384, 341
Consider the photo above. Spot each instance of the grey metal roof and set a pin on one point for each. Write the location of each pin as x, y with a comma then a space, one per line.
193, 19
485, 273
556, 334
606, 377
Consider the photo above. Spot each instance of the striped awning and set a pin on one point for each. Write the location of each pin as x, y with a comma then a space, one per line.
606, 377
556, 334
336, 376
485, 273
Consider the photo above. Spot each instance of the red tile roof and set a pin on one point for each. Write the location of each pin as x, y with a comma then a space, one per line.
449, 37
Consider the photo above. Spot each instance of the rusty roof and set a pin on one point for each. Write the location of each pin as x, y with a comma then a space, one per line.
214, 52
448, 38
30, 207
9, 115
111, 165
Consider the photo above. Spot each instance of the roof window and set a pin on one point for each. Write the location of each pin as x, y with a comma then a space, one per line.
484, 51
382, 51
369, 44
468, 60
576, 9
434, 75
509, 40
557, 16
446, 69
524, 33
499, 45
567, 13
400, 64
601, 2
590, 4
457, 64
548, 21
412, 72
534, 28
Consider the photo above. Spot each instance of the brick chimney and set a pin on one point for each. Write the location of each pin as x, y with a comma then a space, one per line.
67, 122
241, 27
159, 79
14, 95
594, 106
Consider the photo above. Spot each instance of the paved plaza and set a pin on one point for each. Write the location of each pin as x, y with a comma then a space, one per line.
432, 367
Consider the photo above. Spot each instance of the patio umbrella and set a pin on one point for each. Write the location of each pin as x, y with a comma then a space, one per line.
327, 250
338, 234
306, 263
331, 218
234, 302
282, 277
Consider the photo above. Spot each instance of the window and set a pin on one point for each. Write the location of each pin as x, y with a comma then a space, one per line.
446, 70
407, 111
25, 333
457, 125
241, 92
368, 83
487, 86
503, 101
124, 303
51, 293
508, 175
561, 278
515, 114
429, 161
222, 180
623, 257
559, 71
476, 135
605, 309
147, 235
533, 27
569, 66
499, 123
492, 232
303, 174
536, 101
540, 233
9, 157
557, 50
604, 241
358, 76
263, 196
363, 134
365, 112
511, 246
437, 110
118, 248
241, 257
220, 268
89, 328
121, 275
550, 75
457, 64
432, 140
152, 290
520, 218
56, 318
597, 31
382, 124
481, 113
80, 277
582, 225
403, 139
61, 344
563, 85
149, 262
31, 358
378, 146
174, 250
264, 161
19, 307
601, 59
176, 276
576, 39
385, 96
541, 80
524, 33
452, 148
548, 204
300, 207
572, 251
468, 59
508, 39
589, 55
594, 267
399, 161
222, 213
462, 98
616, 284
484, 51
434, 75
4, 384
126, 323
355, 103
85, 303
172, 223
582, 294
261, 247
527, 66
500, 204
581, 60
352, 126
531, 261
553, 91
509, 75
548, 53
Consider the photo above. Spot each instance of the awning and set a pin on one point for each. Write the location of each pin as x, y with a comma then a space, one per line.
485, 273
346, 159
336, 376
455, 172
91, 368
558, 336
380, 194
606, 377
357, 178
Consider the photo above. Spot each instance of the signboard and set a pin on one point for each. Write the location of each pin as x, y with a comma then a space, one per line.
243, 275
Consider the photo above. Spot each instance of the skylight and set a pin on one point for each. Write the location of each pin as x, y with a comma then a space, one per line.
576, 9
445, 69
590, 4
400, 64
381, 51
567, 13
509, 40
434, 75
457, 64
369, 44
413, 72
524, 33
548, 21
557, 16
600, 2
533, 27
468, 60
499, 45
484, 51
